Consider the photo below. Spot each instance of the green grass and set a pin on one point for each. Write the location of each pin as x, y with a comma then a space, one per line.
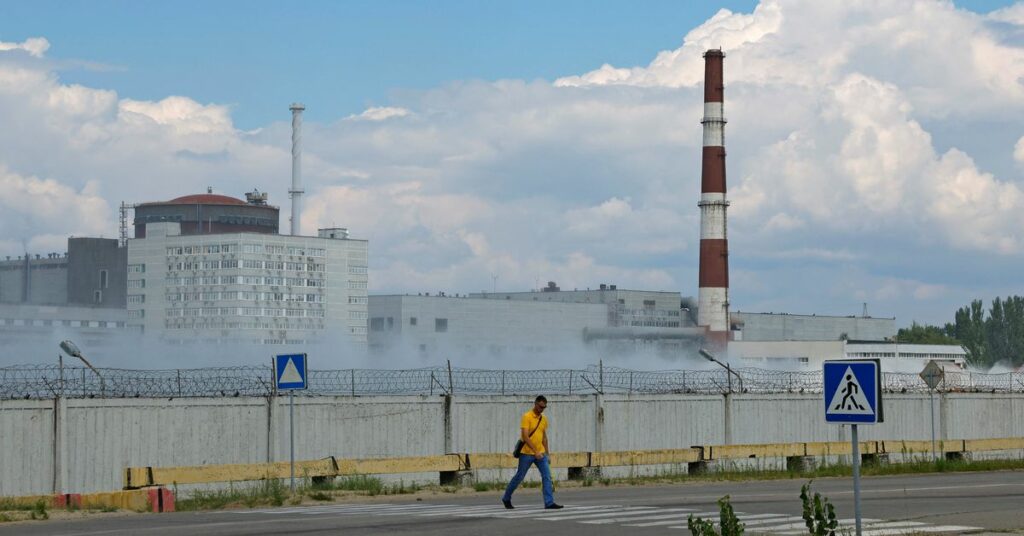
12, 505
269, 492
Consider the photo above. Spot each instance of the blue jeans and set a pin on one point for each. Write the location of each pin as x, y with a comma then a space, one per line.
525, 461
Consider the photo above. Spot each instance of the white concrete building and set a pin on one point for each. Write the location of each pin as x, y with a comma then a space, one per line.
811, 354
247, 287
790, 327
470, 326
626, 308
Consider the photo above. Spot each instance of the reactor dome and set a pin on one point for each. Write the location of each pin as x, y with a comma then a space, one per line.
211, 213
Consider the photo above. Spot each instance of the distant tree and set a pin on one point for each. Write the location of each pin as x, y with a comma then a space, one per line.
969, 328
1004, 331
924, 334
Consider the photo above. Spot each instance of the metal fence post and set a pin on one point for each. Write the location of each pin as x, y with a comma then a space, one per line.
503, 382
353, 380
570, 381
451, 384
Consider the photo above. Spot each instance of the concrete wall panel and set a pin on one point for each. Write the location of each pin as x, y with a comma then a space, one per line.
642, 422
105, 436
491, 423
26, 447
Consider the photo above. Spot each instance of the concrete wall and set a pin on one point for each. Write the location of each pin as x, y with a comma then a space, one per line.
786, 327
87, 257
91, 441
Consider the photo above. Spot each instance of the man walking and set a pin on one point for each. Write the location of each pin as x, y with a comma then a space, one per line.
533, 433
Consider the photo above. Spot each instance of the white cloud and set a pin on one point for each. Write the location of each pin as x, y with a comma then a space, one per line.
35, 46
380, 113
33, 206
834, 109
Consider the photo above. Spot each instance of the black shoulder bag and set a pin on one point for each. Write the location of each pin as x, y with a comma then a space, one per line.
516, 452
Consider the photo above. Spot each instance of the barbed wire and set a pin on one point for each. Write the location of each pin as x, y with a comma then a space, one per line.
51, 381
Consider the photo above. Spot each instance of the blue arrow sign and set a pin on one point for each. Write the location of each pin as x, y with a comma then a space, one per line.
853, 391
291, 371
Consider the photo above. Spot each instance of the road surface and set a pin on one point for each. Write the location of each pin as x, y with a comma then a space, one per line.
919, 504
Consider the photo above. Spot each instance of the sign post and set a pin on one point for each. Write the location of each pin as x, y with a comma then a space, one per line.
933, 374
291, 375
853, 395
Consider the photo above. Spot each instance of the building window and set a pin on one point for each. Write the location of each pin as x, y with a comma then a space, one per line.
440, 325
391, 322
103, 279
377, 324
412, 320
136, 268
135, 298
97, 296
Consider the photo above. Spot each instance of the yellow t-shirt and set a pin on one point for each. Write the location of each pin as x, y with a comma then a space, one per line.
529, 421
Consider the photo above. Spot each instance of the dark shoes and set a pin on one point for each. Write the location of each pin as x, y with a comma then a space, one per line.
508, 504
553, 506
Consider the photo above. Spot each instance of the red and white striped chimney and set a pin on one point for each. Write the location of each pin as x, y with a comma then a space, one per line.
713, 297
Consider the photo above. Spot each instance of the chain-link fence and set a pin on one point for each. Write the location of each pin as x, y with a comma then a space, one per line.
45, 382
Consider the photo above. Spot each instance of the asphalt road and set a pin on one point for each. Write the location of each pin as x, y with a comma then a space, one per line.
933, 504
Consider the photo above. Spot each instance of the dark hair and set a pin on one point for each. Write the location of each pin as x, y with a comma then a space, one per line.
541, 398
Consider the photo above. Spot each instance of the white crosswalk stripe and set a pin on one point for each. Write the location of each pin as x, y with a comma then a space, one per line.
669, 518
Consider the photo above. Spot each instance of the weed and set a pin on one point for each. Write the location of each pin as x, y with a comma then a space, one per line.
700, 526
106, 508
728, 521
321, 496
39, 510
818, 513
4, 518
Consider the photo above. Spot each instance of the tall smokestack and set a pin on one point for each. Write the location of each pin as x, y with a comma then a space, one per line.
713, 297
296, 191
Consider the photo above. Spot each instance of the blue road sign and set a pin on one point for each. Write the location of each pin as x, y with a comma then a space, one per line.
291, 371
853, 391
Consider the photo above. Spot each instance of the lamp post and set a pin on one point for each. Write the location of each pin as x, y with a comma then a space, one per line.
72, 350
729, 372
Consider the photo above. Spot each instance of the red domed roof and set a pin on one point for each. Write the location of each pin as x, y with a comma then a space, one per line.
206, 199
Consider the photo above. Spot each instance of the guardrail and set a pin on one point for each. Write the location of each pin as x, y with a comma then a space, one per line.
578, 463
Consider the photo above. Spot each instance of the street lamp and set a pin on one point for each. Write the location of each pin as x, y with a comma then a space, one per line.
730, 373
72, 350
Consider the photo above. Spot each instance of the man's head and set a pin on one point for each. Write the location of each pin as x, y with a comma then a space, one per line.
540, 404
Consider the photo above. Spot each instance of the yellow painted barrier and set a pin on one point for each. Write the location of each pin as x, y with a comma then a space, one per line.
138, 477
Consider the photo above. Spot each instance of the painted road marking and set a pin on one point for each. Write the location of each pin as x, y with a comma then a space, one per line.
607, 514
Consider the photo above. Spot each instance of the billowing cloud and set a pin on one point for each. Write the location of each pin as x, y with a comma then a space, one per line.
851, 171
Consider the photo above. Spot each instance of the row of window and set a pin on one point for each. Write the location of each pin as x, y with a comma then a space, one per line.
247, 248
136, 283
275, 312
378, 323
65, 323
175, 281
136, 298
136, 268
358, 300
245, 296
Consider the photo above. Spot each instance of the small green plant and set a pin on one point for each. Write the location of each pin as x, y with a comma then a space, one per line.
818, 513
700, 527
321, 496
39, 510
728, 522
4, 518
106, 508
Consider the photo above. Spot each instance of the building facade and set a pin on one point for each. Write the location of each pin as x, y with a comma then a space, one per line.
443, 325
626, 308
247, 287
788, 327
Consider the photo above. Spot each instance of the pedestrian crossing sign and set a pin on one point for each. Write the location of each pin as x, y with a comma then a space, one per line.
853, 391
290, 371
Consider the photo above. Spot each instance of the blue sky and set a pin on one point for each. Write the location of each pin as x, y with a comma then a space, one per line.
875, 149
340, 56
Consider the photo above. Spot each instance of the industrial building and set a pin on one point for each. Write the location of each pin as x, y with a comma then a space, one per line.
791, 327
247, 287
444, 325
635, 308
91, 274
210, 213
809, 354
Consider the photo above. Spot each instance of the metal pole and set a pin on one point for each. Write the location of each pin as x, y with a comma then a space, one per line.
856, 477
931, 407
291, 432
451, 385
432, 383
179, 382
503, 382
600, 365
354, 383
570, 382
60, 357
630, 382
